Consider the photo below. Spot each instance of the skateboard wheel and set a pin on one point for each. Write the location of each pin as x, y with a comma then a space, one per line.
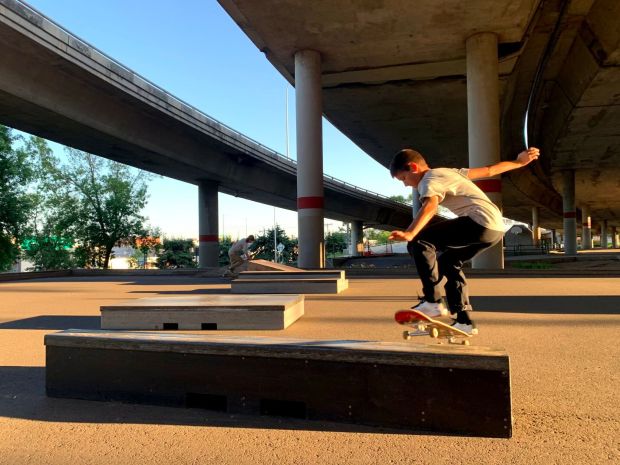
434, 332
406, 335
465, 342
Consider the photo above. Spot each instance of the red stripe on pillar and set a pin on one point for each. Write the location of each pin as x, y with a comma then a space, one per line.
207, 238
489, 185
310, 202
570, 214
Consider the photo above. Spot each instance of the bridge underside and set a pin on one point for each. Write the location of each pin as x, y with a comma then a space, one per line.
395, 76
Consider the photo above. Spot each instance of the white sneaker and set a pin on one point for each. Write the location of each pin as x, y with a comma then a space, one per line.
469, 329
431, 309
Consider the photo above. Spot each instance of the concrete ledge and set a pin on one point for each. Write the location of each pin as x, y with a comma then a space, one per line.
205, 312
297, 274
446, 389
297, 282
289, 285
34, 275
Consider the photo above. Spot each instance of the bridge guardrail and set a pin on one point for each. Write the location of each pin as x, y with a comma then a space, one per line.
123, 70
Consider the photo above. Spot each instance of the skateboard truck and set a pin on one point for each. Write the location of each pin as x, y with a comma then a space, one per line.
426, 326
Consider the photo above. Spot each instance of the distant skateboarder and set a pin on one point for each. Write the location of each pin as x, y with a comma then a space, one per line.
440, 246
238, 255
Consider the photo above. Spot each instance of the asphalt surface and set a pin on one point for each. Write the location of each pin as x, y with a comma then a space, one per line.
562, 335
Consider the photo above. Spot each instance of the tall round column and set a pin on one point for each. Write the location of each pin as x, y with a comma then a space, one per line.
415, 201
614, 237
310, 200
208, 247
357, 236
586, 228
535, 227
570, 214
483, 119
604, 242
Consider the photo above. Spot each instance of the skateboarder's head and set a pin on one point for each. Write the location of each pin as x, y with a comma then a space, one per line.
408, 166
249, 239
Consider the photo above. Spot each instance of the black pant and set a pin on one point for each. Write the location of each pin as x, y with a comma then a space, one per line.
441, 249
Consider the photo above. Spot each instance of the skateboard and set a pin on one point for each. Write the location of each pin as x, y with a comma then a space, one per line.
427, 326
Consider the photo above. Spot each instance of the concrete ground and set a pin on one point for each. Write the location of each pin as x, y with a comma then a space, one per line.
562, 334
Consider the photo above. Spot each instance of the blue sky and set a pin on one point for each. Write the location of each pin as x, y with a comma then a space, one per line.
195, 51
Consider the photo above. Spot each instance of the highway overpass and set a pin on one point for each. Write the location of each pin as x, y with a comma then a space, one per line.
396, 73
55, 85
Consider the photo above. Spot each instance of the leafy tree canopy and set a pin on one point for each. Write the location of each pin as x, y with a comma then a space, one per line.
96, 201
17, 172
263, 247
177, 253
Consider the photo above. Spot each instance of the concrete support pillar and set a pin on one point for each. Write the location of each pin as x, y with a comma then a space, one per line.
415, 201
554, 238
357, 237
310, 198
483, 119
586, 228
614, 237
570, 213
535, 227
208, 245
604, 242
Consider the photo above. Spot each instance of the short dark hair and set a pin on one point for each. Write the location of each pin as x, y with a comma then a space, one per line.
401, 160
250, 238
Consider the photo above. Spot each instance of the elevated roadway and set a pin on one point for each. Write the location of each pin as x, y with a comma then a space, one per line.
394, 74
56, 86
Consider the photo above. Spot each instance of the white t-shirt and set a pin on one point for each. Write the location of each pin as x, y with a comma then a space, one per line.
240, 247
460, 195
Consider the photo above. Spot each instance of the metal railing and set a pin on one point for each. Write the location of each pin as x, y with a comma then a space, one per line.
249, 141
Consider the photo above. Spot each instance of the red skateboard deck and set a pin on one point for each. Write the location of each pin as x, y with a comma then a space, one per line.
426, 326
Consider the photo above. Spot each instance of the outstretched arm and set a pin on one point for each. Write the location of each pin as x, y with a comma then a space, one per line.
425, 214
523, 159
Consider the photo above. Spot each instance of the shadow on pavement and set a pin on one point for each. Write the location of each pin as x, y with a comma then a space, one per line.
54, 322
22, 395
557, 305
225, 290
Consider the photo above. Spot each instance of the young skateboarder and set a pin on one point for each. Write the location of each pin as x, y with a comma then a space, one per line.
238, 255
441, 246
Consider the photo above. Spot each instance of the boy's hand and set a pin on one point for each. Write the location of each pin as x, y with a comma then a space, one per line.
400, 236
528, 156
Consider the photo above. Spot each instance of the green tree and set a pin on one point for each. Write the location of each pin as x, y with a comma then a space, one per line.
177, 253
96, 201
402, 199
48, 252
225, 243
377, 235
335, 242
263, 247
16, 202
147, 240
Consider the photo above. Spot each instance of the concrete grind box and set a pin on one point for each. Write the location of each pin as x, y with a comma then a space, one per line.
444, 389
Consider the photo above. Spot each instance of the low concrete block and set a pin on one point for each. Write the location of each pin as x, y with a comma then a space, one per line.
290, 282
300, 274
446, 389
288, 285
205, 312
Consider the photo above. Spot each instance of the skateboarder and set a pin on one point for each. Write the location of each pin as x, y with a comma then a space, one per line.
238, 255
441, 246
